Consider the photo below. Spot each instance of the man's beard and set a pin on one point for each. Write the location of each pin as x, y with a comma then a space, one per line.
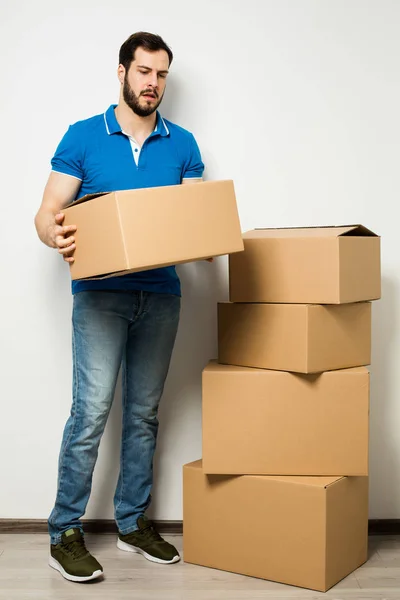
132, 100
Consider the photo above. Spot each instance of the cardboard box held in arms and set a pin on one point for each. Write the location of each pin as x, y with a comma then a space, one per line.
305, 531
315, 265
262, 422
136, 230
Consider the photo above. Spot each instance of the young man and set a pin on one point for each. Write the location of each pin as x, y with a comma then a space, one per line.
130, 319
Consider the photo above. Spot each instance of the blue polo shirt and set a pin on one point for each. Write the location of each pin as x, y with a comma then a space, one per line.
98, 153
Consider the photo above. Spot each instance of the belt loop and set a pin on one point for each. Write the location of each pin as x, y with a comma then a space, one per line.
141, 301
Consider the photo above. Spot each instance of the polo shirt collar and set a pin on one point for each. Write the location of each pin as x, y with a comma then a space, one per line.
110, 120
112, 125
161, 126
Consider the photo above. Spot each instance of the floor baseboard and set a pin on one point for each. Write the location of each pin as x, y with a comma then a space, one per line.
375, 526
384, 527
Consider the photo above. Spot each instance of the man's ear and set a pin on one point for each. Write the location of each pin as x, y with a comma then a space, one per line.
121, 71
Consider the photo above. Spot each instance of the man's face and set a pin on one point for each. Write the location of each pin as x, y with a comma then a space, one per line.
144, 83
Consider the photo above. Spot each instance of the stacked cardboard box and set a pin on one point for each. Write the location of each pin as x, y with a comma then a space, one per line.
282, 490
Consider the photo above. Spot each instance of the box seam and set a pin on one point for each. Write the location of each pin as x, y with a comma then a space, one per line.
326, 540
121, 230
307, 337
339, 299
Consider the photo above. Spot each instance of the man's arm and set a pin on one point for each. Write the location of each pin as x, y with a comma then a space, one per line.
59, 191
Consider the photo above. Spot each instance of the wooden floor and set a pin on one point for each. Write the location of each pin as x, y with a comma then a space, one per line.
24, 575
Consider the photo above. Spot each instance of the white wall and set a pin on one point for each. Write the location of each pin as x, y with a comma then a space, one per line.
297, 101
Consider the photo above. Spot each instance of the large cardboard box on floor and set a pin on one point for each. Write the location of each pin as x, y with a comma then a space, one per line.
257, 421
302, 338
318, 265
136, 230
305, 531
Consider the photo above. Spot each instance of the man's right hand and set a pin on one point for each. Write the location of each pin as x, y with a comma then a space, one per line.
63, 238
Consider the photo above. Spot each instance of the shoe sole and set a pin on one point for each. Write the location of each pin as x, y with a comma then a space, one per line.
54, 564
129, 548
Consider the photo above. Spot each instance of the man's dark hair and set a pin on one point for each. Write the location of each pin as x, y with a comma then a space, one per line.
142, 39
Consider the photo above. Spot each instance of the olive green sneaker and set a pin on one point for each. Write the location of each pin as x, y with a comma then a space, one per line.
146, 541
72, 559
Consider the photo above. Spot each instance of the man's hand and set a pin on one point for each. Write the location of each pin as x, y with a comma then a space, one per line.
60, 190
63, 238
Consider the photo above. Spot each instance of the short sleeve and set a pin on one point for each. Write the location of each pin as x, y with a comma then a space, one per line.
193, 167
68, 156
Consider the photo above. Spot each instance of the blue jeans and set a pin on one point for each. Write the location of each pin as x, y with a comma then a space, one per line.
137, 330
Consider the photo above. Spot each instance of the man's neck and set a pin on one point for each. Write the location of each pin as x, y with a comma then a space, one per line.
138, 127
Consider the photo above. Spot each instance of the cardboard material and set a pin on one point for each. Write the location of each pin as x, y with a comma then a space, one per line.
305, 531
257, 421
320, 265
136, 230
295, 337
